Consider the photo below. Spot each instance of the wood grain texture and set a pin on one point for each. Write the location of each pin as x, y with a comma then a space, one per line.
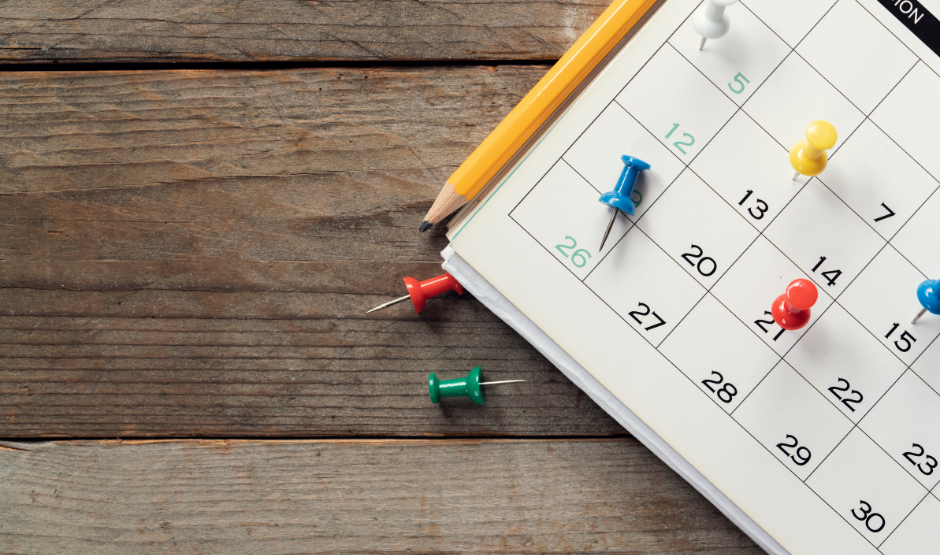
285, 497
191, 253
242, 30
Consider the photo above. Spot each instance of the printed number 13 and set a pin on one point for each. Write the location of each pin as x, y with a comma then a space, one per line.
739, 79
680, 144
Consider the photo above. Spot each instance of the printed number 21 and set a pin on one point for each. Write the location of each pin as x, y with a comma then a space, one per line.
739, 79
680, 144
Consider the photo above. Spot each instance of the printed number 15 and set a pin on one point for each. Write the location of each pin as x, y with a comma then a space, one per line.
739, 79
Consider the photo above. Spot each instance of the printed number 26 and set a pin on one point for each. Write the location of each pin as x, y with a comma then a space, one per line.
739, 79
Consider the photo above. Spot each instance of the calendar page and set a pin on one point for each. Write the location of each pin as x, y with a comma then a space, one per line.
826, 436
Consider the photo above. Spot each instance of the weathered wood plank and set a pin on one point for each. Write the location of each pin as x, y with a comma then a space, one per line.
242, 30
231, 497
191, 253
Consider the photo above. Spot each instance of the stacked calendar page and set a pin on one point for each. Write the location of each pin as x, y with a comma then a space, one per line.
818, 440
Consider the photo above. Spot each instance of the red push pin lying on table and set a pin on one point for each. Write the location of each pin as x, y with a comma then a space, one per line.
791, 310
420, 291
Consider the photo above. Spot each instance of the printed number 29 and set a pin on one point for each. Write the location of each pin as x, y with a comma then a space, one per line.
680, 144
739, 79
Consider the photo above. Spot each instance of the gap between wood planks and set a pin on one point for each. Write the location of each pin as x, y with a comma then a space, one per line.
56, 65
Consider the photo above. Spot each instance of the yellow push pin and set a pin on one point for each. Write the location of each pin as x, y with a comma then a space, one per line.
809, 157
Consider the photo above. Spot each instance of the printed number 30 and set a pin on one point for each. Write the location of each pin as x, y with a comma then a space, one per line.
739, 79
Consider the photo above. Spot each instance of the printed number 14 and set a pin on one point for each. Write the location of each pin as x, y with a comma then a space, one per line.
680, 144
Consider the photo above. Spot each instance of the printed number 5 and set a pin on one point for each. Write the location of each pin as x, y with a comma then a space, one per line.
739, 79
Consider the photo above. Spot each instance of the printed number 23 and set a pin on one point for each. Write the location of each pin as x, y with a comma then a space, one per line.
680, 144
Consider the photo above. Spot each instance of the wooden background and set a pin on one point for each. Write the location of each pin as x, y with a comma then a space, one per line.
198, 202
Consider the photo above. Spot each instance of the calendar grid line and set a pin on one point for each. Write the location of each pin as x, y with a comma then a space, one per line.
868, 118
661, 341
795, 46
870, 331
902, 148
901, 254
883, 450
831, 451
707, 289
909, 513
859, 426
834, 299
783, 358
757, 17
737, 108
619, 239
826, 79
652, 234
761, 233
525, 196
748, 432
812, 489
921, 378
897, 38
886, 28
614, 97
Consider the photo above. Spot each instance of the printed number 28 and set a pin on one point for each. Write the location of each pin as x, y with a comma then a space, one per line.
680, 144
739, 79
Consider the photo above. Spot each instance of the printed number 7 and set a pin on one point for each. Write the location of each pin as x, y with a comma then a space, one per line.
739, 79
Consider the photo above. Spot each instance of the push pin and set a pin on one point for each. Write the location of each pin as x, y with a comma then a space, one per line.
711, 22
927, 295
791, 310
420, 291
619, 199
809, 157
471, 386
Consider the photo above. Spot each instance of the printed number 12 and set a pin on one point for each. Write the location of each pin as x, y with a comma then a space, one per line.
680, 144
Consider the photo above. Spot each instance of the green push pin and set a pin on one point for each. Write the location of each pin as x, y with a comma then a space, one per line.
471, 386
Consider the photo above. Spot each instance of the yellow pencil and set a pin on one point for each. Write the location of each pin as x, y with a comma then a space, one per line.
509, 136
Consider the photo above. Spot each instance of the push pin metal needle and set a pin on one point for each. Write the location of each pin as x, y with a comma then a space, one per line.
927, 295
711, 22
471, 386
619, 199
420, 291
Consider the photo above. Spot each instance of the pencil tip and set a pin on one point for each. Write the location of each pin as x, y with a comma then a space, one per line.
425, 225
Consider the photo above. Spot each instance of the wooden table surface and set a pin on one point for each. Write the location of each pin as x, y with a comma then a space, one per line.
198, 202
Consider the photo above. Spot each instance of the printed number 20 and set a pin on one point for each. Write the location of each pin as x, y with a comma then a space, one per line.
680, 144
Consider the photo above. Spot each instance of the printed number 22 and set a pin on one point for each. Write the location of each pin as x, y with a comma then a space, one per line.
680, 144
739, 79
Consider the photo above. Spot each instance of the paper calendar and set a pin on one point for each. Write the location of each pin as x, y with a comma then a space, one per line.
818, 440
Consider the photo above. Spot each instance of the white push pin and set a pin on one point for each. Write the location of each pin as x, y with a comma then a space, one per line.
711, 22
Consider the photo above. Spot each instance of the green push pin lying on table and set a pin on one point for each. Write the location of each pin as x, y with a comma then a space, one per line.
471, 386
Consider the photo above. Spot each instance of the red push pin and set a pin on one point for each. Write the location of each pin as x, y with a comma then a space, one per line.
420, 292
791, 310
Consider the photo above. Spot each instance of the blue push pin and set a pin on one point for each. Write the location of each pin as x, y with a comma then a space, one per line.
619, 198
927, 295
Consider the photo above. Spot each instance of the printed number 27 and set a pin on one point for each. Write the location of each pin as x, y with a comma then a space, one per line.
739, 79
680, 144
